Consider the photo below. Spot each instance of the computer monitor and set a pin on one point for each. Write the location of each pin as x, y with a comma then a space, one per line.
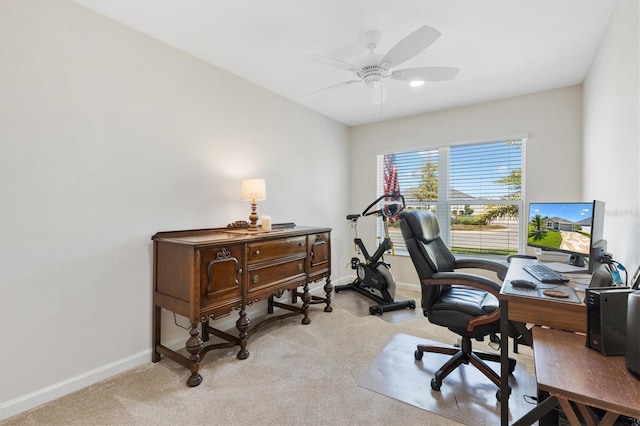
574, 228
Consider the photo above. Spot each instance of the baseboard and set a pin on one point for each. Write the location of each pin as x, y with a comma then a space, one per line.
49, 393
341, 281
41, 396
408, 287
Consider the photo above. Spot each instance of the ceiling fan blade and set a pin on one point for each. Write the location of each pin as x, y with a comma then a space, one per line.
332, 62
333, 86
411, 45
425, 74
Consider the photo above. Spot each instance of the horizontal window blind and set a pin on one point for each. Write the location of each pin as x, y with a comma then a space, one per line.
474, 189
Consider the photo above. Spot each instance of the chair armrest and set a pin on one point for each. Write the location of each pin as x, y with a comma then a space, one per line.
498, 267
462, 278
469, 280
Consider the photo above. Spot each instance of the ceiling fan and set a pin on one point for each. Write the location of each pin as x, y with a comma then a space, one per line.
373, 68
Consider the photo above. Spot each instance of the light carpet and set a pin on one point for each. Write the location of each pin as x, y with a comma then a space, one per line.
296, 375
358, 305
466, 395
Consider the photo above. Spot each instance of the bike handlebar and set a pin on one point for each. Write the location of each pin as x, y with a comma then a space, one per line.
394, 195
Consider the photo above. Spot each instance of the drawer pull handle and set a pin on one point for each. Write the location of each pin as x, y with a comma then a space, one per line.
257, 252
300, 267
256, 279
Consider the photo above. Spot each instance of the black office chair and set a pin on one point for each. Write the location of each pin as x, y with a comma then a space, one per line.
465, 303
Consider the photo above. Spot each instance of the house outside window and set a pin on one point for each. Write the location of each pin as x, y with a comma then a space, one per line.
474, 189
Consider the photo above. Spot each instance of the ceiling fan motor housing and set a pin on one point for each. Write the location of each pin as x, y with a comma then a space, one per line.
373, 74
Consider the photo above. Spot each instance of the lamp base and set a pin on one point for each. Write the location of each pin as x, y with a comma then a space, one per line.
253, 217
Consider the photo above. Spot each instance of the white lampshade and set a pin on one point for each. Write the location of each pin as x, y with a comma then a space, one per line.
253, 189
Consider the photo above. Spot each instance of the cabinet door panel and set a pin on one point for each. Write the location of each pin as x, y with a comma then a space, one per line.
220, 275
319, 253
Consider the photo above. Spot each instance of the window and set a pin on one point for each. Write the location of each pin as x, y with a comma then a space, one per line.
474, 189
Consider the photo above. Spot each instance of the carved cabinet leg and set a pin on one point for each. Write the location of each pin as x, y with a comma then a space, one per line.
205, 332
242, 325
306, 299
328, 288
194, 346
270, 309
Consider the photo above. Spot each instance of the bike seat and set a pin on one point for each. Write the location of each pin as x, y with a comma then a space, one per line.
353, 216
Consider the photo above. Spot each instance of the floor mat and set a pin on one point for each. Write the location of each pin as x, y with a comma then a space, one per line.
466, 396
359, 304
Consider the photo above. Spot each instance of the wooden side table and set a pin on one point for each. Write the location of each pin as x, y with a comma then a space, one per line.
577, 376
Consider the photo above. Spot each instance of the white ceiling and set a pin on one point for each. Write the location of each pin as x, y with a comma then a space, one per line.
502, 47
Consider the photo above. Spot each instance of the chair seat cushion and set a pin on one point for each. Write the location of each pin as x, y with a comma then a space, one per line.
459, 305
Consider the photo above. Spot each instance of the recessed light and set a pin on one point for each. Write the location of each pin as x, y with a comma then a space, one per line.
416, 83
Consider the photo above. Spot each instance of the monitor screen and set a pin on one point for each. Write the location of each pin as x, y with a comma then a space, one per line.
571, 228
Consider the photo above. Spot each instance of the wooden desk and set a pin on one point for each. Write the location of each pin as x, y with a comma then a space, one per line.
205, 274
570, 371
555, 313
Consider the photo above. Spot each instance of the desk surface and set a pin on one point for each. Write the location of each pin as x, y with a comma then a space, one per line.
552, 312
566, 368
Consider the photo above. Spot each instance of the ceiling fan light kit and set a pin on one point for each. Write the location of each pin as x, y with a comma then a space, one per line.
373, 68
372, 74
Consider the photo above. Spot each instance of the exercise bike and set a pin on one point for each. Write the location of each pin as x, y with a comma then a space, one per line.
374, 279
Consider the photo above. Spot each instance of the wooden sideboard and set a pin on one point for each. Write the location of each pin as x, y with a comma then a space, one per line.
206, 274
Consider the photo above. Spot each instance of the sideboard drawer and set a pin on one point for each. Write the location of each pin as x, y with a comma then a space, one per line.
276, 249
275, 275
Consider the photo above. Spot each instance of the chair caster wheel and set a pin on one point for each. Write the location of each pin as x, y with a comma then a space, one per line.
499, 394
412, 305
418, 355
435, 385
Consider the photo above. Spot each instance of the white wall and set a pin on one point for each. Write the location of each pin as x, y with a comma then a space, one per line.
106, 137
612, 133
552, 120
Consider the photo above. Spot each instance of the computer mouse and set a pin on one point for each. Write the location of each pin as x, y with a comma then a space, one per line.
523, 284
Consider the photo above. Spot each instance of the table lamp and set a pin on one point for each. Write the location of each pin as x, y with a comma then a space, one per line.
253, 190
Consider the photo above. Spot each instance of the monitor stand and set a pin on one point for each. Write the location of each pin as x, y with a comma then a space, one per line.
552, 256
597, 253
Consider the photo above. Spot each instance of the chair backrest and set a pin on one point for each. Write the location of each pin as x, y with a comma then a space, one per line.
429, 254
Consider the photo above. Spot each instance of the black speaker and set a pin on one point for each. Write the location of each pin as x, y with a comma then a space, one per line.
632, 352
576, 260
607, 319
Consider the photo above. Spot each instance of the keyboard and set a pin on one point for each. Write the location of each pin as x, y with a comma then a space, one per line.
545, 274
